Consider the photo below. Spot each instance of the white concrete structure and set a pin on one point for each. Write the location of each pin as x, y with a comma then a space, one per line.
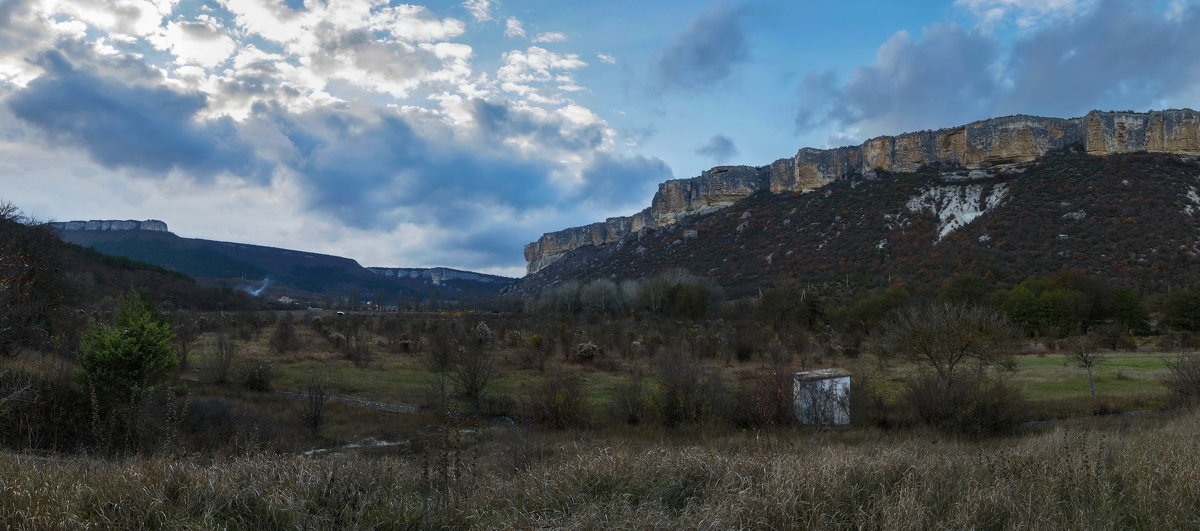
822, 397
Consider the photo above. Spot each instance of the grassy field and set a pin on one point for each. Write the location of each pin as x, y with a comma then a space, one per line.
1054, 386
1098, 474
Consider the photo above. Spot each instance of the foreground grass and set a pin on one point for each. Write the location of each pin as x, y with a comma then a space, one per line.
1098, 475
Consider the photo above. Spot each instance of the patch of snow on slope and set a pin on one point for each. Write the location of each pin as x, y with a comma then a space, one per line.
956, 206
1194, 198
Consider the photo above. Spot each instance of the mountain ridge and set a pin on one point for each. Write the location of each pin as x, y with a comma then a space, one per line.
990, 143
302, 271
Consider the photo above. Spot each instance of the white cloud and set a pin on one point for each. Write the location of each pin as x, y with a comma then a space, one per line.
368, 116
481, 10
137, 18
550, 36
606, 58
1025, 13
514, 28
198, 42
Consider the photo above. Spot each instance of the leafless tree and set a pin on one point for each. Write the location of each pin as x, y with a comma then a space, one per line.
950, 337
1085, 351
474, 365
316, 397
224, 352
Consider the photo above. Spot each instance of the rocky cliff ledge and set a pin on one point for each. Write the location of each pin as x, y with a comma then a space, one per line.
111, 224
437, 275
988, 143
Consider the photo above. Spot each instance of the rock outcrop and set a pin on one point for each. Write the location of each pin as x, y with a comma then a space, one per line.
437, 275
989, 143
111, 225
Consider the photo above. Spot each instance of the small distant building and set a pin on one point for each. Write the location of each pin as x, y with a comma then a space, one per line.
285, 299
822, 397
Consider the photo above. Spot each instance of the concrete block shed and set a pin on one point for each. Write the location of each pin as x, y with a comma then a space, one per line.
822, 397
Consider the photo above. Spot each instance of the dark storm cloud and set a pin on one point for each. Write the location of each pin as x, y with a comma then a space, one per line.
150, 129
706, 52
719, 148
372, 173
1123, 54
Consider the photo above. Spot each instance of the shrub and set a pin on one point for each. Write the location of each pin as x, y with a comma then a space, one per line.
631, 401
126, 361
1183, 376
284, 339
971, 406
257, 377
221, 360
559, 403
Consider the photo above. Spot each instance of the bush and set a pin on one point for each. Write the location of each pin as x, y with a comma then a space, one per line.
559, 403
257, 377
631, 401
285, 339
971, 406
1183, 377
125, 362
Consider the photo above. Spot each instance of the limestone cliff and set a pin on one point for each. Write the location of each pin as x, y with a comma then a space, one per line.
111, 225
983, 144
437, 275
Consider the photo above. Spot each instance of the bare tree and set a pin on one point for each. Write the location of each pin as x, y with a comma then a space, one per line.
957, 344
316, 397
1085, 351
474, 365
224, 352
439, 361
948, 337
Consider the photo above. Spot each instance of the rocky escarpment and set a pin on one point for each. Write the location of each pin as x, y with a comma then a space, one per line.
111, 225
437, 275
989, 143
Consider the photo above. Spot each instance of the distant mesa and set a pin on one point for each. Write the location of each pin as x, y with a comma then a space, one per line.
992, 143
111, 225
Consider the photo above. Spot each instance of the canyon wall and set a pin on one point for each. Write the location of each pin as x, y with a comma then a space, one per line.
110, 224
989, 143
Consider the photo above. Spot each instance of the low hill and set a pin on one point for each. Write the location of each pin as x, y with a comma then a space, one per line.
277, 271
1133, 219
49, 289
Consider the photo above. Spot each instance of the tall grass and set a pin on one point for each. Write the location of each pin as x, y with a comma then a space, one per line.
1101, 475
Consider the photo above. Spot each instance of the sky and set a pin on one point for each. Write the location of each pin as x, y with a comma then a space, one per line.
451, 133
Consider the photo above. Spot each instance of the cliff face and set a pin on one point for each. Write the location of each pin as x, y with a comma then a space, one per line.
111, 225
437, 275
983, 144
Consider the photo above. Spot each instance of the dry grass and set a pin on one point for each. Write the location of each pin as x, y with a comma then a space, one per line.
1139, 473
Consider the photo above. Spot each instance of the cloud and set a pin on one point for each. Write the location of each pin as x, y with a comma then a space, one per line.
514, 28
1025, 13
199, 42
376, 172
920, 83
360, 121
606, 58
706, 52
1121, 54
550, 36
481, 10
720, 148
150, 129
614, 181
